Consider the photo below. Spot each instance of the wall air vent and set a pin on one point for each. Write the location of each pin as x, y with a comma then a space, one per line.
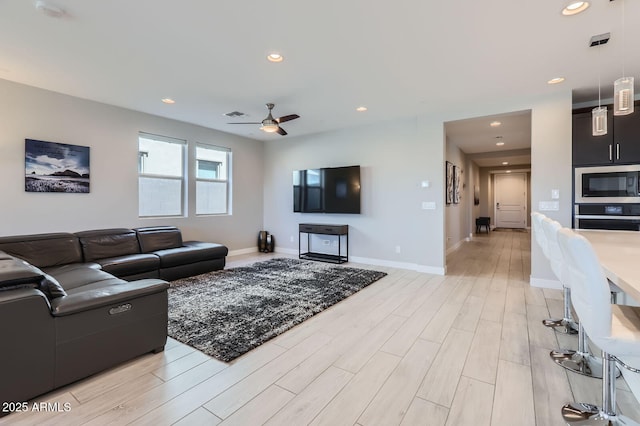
599, 39
235, 114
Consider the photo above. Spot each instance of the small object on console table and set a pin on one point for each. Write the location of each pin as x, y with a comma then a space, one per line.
324, 229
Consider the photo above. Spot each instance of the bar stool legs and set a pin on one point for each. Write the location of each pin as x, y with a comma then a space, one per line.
579, 361
589, 414
566, 325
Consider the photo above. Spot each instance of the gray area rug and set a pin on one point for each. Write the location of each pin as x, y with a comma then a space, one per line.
227, 313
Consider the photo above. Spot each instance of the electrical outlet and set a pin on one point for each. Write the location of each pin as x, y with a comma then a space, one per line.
397, 249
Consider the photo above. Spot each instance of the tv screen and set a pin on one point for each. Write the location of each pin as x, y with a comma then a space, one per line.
327, 190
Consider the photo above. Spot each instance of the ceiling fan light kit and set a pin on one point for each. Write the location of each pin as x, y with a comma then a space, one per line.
269, 127
272, 125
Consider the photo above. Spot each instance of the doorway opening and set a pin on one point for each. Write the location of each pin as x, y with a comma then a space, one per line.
493, 155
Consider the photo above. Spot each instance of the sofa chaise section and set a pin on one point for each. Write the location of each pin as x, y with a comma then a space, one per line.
179, 259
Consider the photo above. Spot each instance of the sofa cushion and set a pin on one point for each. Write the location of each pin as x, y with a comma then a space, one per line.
16, 273
158, 238
132, 264
106, 243
191, 252
44, 250
78, 275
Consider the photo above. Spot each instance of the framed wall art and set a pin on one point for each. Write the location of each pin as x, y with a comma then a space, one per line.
457, 184
449, 182
56, 167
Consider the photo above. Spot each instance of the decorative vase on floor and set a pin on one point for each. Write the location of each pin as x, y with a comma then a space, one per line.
262, 241
270, 244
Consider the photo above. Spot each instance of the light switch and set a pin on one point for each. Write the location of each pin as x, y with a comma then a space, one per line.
428, 205
555, 194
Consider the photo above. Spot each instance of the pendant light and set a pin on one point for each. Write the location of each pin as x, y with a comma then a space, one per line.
599, 115
623, 87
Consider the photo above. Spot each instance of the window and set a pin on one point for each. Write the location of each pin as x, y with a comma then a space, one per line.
212, 179
160, 176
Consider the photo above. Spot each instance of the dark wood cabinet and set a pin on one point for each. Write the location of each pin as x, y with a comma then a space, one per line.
626, 137
621, 144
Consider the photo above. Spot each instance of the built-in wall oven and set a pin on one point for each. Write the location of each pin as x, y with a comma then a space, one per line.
607, 197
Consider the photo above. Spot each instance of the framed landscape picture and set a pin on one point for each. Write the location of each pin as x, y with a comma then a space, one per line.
56, 167
449, 182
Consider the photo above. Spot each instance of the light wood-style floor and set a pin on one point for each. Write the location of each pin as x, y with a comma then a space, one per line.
411, 349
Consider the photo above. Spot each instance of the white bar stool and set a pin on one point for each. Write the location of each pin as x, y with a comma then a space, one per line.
613, 328
566, 324
580, 361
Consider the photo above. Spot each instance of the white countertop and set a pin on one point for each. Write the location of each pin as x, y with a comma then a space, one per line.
619, 255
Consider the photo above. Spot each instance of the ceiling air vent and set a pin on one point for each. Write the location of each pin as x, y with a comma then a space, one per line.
599, 39
235, 114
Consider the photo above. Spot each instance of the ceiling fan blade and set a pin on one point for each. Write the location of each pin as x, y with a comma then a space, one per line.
287, 118
282, 131
256, 122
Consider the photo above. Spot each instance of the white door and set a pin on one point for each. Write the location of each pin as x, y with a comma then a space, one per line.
511, 200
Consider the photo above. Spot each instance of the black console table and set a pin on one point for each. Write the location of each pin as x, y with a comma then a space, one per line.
323, 229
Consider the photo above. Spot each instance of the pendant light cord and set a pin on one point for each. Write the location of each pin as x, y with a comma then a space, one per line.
624, 44
599, 73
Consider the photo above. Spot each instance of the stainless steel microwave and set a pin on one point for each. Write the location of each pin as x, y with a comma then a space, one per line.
607, 184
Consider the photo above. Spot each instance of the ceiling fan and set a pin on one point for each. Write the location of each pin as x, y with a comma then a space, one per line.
272, 125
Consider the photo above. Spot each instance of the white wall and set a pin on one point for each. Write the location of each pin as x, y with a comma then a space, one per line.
550, 169
457, 215
112, 135
394, 158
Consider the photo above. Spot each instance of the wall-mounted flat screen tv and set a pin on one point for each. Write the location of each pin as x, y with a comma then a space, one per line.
327, 190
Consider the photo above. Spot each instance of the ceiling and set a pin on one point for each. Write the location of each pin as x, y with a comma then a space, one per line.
478, 139
399, 59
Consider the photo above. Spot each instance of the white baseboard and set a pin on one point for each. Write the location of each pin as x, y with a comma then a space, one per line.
380, 262
544, 283
400, 265
243, 251
287, 251
455, 247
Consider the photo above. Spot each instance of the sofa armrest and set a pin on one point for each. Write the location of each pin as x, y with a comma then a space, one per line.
14, 272
105, 296
28, 341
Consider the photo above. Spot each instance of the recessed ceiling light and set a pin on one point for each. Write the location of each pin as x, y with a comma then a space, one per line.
508, 171
168, 101
495, 124
556, 80
573, 7
275, 57
49, 9
504, 163
499, 143
361, 108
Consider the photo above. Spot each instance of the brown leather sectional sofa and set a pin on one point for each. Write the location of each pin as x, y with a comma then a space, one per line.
72, 305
